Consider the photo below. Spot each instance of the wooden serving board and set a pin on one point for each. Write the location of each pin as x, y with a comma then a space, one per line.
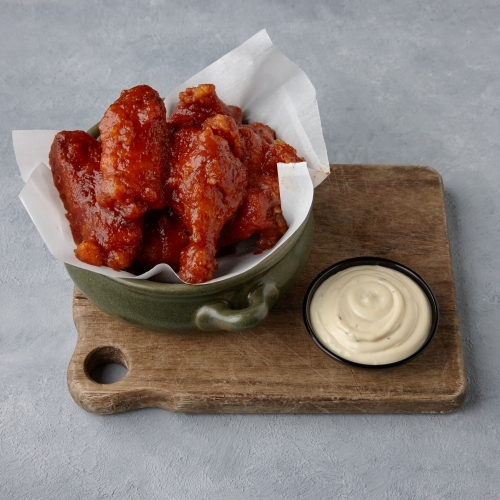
396, 212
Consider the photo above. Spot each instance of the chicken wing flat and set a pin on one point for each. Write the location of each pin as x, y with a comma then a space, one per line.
196, 104
206, 186
134, 162
102, 235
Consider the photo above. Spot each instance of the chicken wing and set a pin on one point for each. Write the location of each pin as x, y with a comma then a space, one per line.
260, 212
134, 163
102, 235
206, 186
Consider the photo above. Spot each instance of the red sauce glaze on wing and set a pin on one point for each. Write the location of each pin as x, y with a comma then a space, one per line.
260, 212
163, 238
102, 235
199, 181
196, 104
206, 186
134, 137
224, 126
265, 132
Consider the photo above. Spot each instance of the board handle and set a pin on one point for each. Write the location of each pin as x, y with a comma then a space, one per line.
220, 315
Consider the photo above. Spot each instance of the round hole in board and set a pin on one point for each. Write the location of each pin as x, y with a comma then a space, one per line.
106, 365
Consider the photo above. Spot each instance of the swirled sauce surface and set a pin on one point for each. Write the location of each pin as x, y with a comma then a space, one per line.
371, 315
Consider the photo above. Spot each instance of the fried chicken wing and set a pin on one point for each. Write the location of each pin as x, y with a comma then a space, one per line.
207, 185
267, 180
260, 212
102, 235
134, 161
196, 104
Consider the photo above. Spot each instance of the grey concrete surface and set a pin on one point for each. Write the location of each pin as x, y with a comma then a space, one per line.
414, 82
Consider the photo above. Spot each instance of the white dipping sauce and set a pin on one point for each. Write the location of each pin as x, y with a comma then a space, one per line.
371, 315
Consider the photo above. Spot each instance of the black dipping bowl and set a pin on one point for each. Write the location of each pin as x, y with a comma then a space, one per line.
372, 261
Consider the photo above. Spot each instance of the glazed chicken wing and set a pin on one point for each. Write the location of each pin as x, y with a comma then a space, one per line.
134, 137
260, 212
206, 186
102, 235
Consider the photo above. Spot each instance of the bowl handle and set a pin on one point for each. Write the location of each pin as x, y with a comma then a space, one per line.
220, 316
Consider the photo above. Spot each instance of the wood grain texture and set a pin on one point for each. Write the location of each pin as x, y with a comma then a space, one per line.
396, 212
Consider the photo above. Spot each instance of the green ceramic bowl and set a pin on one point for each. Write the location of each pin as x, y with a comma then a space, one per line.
238, 303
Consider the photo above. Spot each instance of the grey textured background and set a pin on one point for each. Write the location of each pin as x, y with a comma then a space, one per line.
398, 82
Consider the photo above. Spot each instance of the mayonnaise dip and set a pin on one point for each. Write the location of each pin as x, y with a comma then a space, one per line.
371, 315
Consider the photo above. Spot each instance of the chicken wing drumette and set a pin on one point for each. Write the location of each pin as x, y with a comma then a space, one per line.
206, 186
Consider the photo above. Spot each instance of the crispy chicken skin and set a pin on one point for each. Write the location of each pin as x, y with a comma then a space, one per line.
102, 235
206, 186
225, 126
134, 138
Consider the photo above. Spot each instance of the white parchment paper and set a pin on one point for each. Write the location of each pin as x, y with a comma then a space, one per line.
268, 87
